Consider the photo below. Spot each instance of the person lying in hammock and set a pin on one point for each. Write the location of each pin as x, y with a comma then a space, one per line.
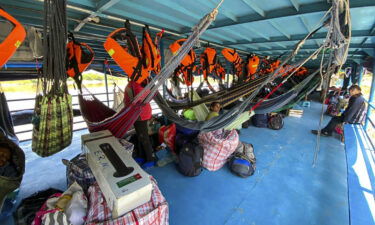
214, 110
354, 113
145, 149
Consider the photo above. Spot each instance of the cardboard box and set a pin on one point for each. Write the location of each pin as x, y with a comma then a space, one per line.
124, 184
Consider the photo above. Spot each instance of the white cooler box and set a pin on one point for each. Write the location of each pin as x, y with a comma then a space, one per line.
124, 184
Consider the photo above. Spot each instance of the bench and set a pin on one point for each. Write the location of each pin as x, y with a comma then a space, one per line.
360, 158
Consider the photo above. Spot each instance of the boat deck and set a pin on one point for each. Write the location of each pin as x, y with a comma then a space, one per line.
285, 189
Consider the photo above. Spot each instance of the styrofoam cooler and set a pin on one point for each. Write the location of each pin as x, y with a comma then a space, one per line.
124, 187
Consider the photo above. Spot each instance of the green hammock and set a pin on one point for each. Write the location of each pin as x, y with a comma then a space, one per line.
9, 184
306, 91
53, 113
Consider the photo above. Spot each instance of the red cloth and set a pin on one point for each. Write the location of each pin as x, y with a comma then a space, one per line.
131, 90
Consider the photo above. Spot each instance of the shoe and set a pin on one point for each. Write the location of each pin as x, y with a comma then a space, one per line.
322, 133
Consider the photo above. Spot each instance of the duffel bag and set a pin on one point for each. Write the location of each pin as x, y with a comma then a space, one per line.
78, 170
218, 145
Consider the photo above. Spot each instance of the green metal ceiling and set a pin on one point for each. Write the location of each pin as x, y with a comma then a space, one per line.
267, 27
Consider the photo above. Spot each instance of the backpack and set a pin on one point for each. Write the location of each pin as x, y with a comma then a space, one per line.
190, 159
78, 170
260, 120
241, 166
243, 162
25, 213
276, 122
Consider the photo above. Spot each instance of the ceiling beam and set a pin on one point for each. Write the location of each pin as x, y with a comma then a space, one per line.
255, 7
315, 7
298, 37
313, 47
295, 4
373, 30
308, 27
181, 8
100, 7
277, 27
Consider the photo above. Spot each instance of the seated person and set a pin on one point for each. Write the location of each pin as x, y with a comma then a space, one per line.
214, 110
7, 169
353, 114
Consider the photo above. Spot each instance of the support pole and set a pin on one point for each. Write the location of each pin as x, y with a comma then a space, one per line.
372, 95
161, 48
106, 82
361, 73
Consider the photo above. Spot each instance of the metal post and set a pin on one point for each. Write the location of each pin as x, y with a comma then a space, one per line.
372, 96
161, 48
106, 82
361, 73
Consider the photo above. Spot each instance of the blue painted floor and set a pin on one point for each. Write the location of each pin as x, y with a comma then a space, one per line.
285, 189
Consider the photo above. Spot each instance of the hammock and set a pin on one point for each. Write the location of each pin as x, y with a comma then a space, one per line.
224, 97
9, 184
119, 123
230, 116
53, 113
311, 86
118, 97
274, 104
6, 122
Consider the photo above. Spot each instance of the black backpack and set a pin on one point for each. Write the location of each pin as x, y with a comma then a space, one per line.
260, 120
276, 122
190, 159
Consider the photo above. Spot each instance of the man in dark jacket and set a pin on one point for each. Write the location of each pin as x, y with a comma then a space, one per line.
354, 113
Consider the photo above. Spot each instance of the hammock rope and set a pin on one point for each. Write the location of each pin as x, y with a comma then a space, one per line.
338, 38
120, 122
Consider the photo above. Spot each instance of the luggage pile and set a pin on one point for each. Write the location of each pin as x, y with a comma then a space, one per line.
211, 150
84, 203
274, 121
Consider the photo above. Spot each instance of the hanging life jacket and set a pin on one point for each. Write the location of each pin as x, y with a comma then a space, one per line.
10, 44
78, 57
232, 56
187, 64
220, 70
128, 58
252, 66
151, 56
208, 61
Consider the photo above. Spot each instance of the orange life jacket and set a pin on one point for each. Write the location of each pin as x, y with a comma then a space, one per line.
220, 70
252, 65
79, 56
150, 52
275, 64
9, 46
187, 64
128, 58
232, 56
208, 61
302, 71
